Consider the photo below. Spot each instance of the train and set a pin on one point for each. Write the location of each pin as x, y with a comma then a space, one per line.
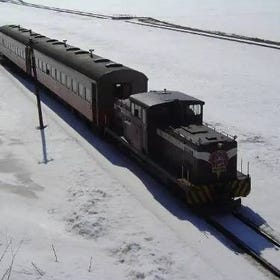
163, 129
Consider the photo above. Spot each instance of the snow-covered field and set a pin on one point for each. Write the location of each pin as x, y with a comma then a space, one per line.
260, 18
89, 200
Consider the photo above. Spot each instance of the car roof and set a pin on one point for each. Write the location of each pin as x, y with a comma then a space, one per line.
91, 65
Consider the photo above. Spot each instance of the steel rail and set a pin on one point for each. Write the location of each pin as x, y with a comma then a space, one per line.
219, 33
208, 34
257, 229
243, 246
61, 10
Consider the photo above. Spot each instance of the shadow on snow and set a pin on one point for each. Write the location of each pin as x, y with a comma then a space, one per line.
161, 193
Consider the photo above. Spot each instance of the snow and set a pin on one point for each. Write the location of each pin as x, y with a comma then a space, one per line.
248, 236
76, 203
89, 200
250, 17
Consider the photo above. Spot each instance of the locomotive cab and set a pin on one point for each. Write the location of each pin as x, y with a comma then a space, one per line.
155, 110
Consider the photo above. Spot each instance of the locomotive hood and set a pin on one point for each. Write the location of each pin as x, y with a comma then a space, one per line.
200, 140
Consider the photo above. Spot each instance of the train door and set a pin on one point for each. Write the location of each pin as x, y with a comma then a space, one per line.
28, 60
122, 90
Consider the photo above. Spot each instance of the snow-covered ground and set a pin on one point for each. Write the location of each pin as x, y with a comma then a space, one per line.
89, 200
259, 18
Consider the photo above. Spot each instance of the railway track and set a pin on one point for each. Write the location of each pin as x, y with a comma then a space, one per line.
61, 10
155, 23
268, 235
151, 22
250, 239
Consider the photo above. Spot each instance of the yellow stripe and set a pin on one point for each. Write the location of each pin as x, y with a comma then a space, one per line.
243, 191
235, 187
246, 190
193, 195
202, 196
207, 192
238, 190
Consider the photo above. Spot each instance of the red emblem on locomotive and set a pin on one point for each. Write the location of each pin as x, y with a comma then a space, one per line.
219, 161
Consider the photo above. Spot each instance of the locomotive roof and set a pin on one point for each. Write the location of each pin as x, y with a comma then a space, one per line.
153, 98
199, 134
82, 61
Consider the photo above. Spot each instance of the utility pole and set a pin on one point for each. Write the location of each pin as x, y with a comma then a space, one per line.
32, 61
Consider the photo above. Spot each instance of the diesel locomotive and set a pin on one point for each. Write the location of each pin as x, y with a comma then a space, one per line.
164, 130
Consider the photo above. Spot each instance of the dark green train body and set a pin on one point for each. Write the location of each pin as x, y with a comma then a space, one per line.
162, 129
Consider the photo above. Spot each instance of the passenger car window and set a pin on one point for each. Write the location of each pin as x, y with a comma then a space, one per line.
58, 78
48, 70
63, 78
88, 94
53, 72
75, 86
82, 91
44, 67
69, 82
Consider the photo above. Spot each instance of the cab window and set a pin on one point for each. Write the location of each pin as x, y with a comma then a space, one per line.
195, 108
